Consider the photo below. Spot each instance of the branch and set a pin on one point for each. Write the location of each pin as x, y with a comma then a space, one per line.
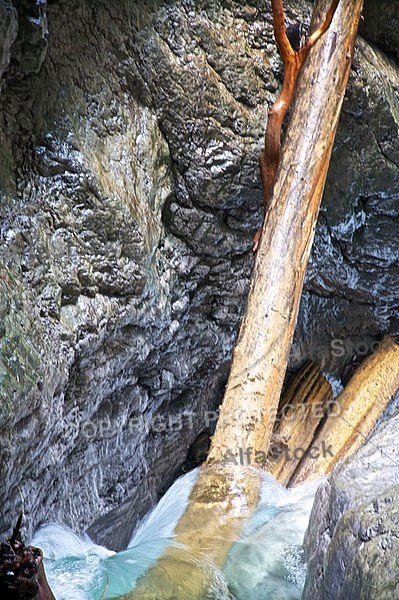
292, 61
324, 26
280, 32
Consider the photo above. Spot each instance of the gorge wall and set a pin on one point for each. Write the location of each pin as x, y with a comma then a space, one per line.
129, 142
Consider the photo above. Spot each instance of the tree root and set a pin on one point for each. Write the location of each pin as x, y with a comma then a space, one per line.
22, 575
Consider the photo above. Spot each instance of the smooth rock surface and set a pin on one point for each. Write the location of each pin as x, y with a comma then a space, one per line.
380, 25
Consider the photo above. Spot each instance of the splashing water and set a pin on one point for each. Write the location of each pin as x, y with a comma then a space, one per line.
265, 562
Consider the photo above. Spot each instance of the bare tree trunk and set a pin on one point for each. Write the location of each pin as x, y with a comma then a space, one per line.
225, 495
260, 357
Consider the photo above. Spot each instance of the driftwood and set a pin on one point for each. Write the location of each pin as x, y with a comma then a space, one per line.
305, 404
260, 355
225, 495
22, 575
355, 412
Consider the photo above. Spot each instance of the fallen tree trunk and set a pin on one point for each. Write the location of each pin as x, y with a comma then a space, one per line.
260, 356
356, 411
225, 496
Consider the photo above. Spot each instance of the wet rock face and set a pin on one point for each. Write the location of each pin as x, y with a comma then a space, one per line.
130, 192
380, 25
352, 542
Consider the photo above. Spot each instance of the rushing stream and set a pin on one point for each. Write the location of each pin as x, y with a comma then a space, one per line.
265, 562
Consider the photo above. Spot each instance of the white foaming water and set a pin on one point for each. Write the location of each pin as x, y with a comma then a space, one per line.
78, 569
72, 562
149, 540
265, 562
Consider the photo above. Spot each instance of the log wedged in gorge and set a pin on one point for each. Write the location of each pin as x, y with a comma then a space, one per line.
260, 358
326, 431
260, 355
356, 411
305, 403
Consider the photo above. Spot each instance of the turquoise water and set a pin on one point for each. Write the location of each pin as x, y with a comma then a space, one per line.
265, 562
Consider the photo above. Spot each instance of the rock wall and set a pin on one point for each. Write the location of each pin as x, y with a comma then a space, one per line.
130, 192
352, 542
